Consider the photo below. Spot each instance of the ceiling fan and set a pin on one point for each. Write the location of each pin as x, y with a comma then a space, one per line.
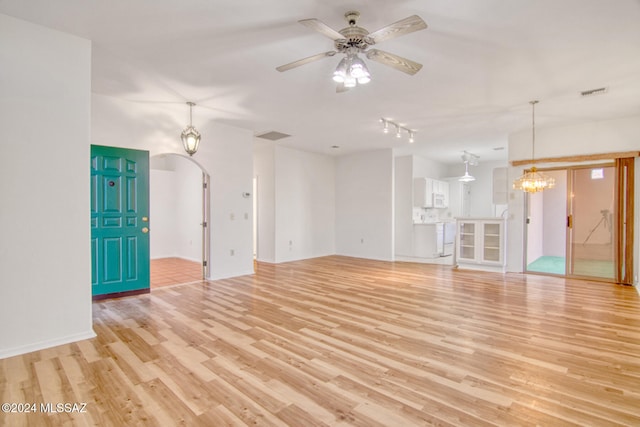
354, 40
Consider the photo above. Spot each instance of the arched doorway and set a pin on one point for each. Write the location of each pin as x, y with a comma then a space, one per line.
179, 212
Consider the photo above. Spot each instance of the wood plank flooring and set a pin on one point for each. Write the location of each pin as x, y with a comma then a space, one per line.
173, 271
338, 341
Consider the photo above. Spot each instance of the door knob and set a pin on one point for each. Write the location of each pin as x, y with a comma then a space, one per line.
145, 230
145, 219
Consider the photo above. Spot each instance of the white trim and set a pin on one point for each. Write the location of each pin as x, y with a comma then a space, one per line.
16, 351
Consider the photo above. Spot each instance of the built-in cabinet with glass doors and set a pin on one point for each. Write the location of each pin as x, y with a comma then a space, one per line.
480, 244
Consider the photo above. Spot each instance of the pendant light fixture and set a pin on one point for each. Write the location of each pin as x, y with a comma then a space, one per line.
466, 177
468, 158
533, 181
190, 136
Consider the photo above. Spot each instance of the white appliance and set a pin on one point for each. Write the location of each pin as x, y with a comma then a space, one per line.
438, 200
446, 234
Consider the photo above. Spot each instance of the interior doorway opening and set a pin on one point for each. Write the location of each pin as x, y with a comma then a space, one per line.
179, 220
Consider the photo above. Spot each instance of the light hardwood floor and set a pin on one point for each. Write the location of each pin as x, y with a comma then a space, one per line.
341, 341
174, 271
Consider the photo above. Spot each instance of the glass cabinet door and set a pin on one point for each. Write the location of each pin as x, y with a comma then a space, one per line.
492, 242
467, 249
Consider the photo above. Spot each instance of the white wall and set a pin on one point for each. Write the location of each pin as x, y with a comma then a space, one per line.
296, 203
188, 202
45, 253
606, 136
364, 205
175, 186
305, 204
555, 216
264, 159
162, 213
428, 168
403, 202
225, 153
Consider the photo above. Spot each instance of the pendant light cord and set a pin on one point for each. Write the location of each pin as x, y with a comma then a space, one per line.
533, 132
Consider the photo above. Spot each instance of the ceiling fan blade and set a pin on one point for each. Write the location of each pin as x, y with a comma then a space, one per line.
304, 61
322, 28
404, 26
399, 63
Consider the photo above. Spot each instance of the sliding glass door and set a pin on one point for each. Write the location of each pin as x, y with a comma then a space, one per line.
591, 228
547, 227
571, 229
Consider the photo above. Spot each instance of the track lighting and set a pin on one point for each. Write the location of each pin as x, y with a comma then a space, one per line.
385, 128
387, 123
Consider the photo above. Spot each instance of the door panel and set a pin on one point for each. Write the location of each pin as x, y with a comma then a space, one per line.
119, 210
547, 227
592, 207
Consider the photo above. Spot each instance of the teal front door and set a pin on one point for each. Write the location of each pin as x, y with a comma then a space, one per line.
119, 220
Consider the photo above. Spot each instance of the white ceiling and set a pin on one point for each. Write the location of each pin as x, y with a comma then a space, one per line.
483, 61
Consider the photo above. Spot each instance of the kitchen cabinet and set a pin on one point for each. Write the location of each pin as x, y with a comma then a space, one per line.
425, 238
430, 193
480, 243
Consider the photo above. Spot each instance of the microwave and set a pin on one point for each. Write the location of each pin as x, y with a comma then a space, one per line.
438, 200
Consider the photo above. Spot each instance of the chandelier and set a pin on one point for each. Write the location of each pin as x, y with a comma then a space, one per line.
190, 136
533, 181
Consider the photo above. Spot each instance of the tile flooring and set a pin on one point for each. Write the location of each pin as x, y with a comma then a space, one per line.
174, 271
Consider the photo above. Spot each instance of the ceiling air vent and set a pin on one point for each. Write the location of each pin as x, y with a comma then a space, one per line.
273, 135
592, 92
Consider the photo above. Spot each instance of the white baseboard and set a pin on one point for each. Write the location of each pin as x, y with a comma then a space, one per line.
16, 351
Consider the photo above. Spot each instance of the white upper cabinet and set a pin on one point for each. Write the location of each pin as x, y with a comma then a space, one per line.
430, 193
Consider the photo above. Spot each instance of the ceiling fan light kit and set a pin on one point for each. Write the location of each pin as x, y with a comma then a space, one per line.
353, 40
351, 71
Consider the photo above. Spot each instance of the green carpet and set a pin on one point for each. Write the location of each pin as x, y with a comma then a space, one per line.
548, 264
594, 268
581, 267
